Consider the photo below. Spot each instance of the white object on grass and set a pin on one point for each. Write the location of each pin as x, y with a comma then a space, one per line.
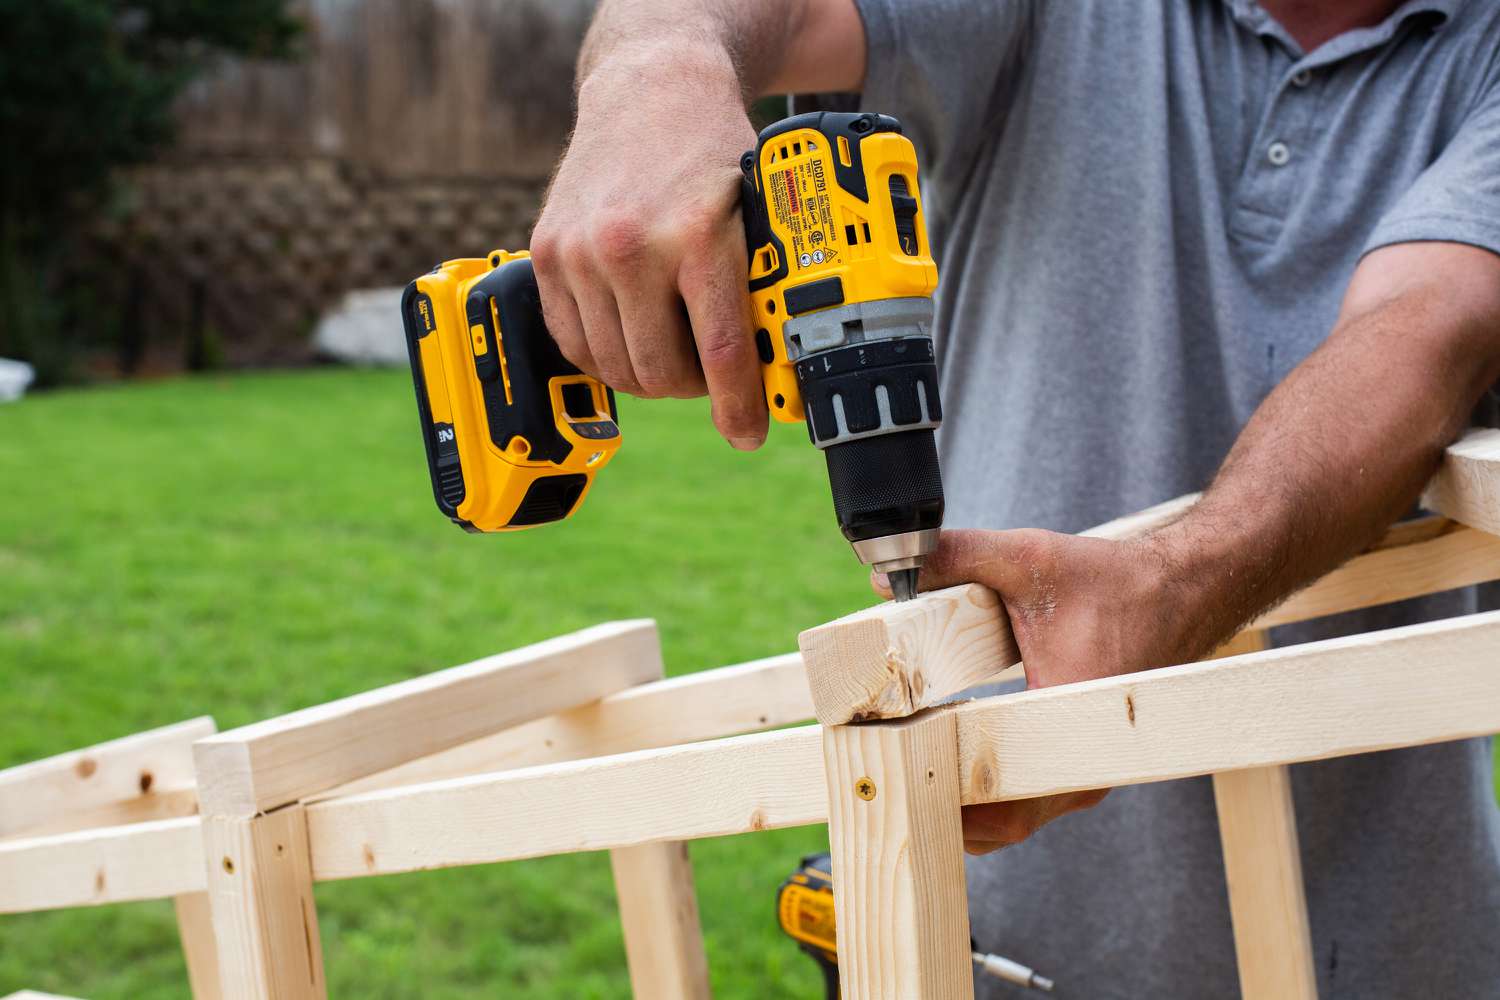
15, 376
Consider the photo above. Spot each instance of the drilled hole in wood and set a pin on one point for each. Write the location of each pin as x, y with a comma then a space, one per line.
228, 865
280, 850
146, 779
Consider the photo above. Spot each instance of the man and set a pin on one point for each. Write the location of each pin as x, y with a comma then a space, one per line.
1257, 244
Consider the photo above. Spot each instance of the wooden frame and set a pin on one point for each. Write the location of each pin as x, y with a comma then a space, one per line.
487, 763
85, 827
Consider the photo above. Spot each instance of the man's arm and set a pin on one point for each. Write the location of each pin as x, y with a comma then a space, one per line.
1335, 454
1345, 444
774, 46
640, 250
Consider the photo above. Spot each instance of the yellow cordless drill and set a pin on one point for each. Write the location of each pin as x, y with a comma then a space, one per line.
840, 287
804, 909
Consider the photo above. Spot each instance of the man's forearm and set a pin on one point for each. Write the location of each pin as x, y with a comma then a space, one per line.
1335, 454
769, 46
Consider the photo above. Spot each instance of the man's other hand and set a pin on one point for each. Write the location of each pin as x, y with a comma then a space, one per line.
640, 249
1079, 608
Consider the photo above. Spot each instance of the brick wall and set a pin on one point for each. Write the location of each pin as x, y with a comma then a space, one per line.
411, 131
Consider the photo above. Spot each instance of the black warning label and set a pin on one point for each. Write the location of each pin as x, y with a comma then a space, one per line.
800, 203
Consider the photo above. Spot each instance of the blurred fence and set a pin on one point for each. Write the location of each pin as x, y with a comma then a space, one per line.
413, 130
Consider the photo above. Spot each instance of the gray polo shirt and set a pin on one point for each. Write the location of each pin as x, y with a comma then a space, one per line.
1146, 213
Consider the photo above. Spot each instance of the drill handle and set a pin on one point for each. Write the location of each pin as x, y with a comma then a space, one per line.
830, 970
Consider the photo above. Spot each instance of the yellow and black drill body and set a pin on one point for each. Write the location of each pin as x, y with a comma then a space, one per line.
840, 285
805, 913
804, 910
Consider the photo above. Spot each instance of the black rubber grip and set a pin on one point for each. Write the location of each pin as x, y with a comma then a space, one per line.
886, 484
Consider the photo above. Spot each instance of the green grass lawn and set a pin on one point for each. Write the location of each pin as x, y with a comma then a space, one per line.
243, 546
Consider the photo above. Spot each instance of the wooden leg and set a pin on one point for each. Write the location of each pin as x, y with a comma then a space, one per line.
196, 928
898, 866
1263, 865
264, 918
659, 914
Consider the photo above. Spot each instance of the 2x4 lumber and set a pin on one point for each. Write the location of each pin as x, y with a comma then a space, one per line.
1263, 871
1376, 691
261, 899
728, 701
165, 803
155, 860
269, 764
898, 866
762, 781
1263, 868
1351, 695
890, 661
659, 918
1467, 485
658, 904
195, 928
122, 780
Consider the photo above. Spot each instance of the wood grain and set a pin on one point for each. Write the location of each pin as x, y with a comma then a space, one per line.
892, 660
1467, 485
142, 776
155, 860
659, 917
1376, 691
264, 918
898, 867
728, 701
195, 929
263, 766
1263, 867
1342, 696
763, 781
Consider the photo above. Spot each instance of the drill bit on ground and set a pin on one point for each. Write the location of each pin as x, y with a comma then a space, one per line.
1012, 972
903, 583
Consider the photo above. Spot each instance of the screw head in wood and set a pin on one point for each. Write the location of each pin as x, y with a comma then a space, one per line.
865, 789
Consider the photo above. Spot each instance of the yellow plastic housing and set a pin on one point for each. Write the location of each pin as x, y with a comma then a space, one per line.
812, 218
496, 481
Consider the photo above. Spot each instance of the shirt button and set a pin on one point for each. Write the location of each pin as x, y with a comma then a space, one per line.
1278, 154
1302, 78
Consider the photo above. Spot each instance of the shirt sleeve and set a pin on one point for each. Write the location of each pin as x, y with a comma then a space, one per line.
1457, 198
942, 67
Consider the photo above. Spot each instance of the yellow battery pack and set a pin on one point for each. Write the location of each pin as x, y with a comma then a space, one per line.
514, 432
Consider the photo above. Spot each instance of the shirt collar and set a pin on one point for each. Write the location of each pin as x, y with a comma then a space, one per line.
1253, 16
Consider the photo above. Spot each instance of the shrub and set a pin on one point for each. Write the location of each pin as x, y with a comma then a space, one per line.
87, 86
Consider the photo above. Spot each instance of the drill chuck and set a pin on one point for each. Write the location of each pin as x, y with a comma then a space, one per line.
872, 406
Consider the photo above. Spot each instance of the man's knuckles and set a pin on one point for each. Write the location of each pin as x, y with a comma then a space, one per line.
620, 241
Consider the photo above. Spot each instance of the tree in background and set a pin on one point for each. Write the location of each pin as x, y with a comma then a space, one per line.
87, 86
